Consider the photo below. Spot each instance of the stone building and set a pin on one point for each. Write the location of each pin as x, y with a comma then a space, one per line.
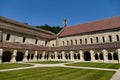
97, 41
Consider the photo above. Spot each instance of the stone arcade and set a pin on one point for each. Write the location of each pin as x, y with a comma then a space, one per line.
97, 41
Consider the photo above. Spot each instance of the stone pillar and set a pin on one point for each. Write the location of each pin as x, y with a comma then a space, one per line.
35, 56
14, 56
63, 55
25, 56
118, 50
71, 55
92, 55
1, 52
81, 55
56, 58
105, 52
49, 56
43, 55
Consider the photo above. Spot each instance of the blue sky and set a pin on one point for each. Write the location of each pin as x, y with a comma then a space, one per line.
52, 12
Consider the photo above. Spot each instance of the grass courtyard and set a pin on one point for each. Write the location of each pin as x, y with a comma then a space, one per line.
13, 65
56, 73
96, 65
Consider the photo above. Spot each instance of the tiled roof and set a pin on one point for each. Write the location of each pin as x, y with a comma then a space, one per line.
108, 23
22, 46
23, 28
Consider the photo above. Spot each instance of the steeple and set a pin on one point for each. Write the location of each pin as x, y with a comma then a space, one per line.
65, 23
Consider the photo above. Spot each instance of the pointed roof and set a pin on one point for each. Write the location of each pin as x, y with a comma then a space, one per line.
99, 25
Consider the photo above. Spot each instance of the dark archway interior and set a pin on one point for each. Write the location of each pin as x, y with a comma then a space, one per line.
28, 57
115, 56
87, 56
6, 56
101, 56
96, 56
75, 56
19, 56
78, 56
109, 56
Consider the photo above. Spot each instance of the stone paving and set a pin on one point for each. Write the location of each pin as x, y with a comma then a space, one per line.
116, 76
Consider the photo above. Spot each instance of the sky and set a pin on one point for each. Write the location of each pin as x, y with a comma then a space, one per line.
53, 12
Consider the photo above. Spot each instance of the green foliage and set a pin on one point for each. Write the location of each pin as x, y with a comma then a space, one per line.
54, 29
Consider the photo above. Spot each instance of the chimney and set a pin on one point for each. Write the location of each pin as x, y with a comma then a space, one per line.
65, 23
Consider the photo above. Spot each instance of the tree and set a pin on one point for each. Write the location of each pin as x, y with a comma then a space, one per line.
54, 29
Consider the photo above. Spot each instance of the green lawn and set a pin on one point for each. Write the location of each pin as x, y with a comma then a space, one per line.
49, 62
12, 65
56, 73
98, 65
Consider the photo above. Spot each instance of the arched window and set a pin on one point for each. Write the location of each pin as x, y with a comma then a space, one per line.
76, 42
36, 41
110, 38
80, 41
97, 40
91, 40
8, 37
67, 43
117, 37
71, 42
24, 38
63, 43
85, 41
103, 38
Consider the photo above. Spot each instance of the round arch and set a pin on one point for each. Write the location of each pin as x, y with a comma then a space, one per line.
115, 56
109, 56
6, 56
87, 56
101, 56
96, 56
19, 56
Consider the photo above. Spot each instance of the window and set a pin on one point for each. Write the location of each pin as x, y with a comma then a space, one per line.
8, 37
76, 42
36, 41
97, 40
80, 41
67, 43
117, 37
45, 43
110, 38
103, 39
63, 43
24, 39
0, 36
71, 42
91, 40
85, 41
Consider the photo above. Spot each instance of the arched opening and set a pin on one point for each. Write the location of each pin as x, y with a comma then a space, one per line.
101, 56
6, 56
32, 55
85, 41
78, 56
115, 56
19, 56
75, 56
109, 56
117, 37
28, 57
76, 42
80, 41
87, 56
59, 56
71, 42
40, 56
96, 56
110, 38
69, 57
66, 57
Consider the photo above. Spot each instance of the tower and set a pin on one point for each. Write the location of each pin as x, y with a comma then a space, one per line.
65, 23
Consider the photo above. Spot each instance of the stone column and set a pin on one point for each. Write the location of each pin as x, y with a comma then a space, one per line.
25, 56
1, 52
63, 55
105, 52
14, 56
92, 55
56, 58
35, 56
71, 55
43, 55
81, 55
118, 50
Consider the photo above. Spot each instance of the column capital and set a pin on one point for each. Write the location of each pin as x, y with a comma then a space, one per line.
92, 51
104, 51
71, 52
80, 51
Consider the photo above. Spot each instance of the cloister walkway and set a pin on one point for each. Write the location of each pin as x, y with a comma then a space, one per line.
116, 76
